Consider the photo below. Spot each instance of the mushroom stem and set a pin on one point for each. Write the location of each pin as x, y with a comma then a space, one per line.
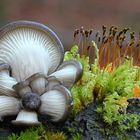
26, 118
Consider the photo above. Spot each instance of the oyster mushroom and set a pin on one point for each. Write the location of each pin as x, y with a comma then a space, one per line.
57, 103
22, 88
6, 82
26, 118
8, 106
69, 72
52, 82
32, 42
37, 81
5, 69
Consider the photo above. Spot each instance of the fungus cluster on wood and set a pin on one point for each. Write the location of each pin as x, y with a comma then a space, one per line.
33, 77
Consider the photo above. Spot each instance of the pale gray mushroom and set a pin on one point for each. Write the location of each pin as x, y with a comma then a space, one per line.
22, 88
26, 118
8, 106
69, 72
29, 48
37, 80
6, 81
5, 69
37, 83
52, 82
56, 103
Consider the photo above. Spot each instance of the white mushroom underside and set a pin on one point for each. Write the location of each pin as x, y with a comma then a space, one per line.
67, 75
8, 106
53, 103
26, 117
38, 85
6, 84
28, 51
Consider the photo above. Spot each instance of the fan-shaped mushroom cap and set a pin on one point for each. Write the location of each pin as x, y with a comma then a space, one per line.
56, 103
26, 118
69, 72
38, 83
9, 106
4, 69
6, 84
22, 88
52, 82
29, 47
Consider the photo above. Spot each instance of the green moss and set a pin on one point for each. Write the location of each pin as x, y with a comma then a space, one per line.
55, 136
110, 89
38, 133
77, 137
83, 88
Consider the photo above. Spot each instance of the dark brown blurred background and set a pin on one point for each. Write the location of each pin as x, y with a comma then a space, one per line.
64, 16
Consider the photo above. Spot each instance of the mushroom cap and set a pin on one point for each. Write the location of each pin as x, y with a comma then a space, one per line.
28, 36
75, 64
6, 84
57, 103
9, 106
35, 76
52, 82
4, 66
69, 72
37, 83
20, 85
69, 102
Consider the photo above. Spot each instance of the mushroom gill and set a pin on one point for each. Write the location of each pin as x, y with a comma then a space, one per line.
8, 106
6, 81
29, 47
69, 72
56, 103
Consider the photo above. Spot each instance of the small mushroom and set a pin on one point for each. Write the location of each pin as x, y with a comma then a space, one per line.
6, 82
38, 83
22, 88
56, 103
4, 69
52, 82
9, 106
69, 72
26, 118
29, 48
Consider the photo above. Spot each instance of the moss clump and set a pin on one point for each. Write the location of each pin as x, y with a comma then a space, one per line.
38, 133
108, 87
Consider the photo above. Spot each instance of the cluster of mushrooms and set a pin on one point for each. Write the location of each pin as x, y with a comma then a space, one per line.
33, 77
